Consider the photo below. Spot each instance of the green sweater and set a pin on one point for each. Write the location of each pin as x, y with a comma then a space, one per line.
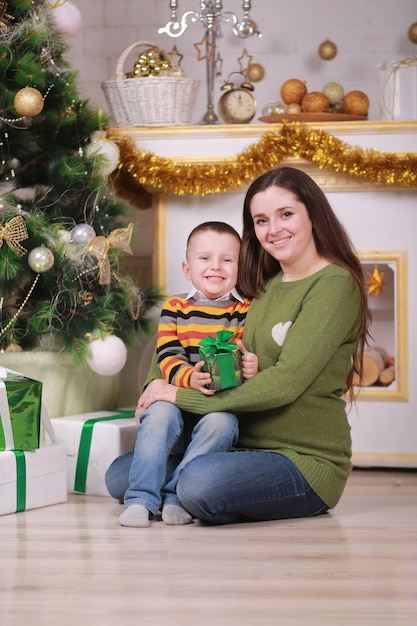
304, 333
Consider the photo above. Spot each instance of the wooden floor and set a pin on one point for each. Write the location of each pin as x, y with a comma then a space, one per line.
73, 564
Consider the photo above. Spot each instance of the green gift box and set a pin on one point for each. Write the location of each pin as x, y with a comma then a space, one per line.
223, 360
20, 411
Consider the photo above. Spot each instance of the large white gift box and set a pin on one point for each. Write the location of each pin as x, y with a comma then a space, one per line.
399, 89
32, 479
93, 440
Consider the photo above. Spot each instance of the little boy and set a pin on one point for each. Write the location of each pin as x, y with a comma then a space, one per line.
213, 304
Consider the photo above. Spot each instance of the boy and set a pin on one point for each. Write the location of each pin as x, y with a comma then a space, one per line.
213, 304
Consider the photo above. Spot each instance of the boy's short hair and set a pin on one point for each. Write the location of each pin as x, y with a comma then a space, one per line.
218, 227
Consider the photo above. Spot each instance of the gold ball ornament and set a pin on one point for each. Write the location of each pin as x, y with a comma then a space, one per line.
412, 32
334, 92
327, 50
255, 72
356, 103
315, 102
249, 28
293, 91
293, 108
151, 63
28, 102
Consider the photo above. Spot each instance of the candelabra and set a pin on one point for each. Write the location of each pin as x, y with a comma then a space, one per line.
211, 16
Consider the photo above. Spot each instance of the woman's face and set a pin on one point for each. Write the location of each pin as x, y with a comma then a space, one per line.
283, 226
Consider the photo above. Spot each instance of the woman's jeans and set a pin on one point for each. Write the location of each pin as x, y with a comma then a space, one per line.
246, 485
225, 487
165, 431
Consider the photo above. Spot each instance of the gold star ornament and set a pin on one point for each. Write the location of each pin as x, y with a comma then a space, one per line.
376, 282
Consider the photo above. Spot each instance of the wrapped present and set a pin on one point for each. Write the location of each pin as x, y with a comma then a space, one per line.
93, 440
32, 479
20, 411
399, 89
223, 360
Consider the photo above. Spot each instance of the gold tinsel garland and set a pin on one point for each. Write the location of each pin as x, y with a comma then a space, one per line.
140, 171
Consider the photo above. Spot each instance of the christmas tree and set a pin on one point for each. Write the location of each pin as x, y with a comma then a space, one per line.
62, 229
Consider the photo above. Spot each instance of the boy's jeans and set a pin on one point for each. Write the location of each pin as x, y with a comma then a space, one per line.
164, 431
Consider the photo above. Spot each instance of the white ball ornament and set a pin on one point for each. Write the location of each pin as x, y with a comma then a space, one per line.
108, 355
67, 18
102, 147
41, 259
82, 234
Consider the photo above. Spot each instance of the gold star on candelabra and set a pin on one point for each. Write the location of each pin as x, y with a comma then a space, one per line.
376, 282
243, 56
218, 64
210, 49
176, 54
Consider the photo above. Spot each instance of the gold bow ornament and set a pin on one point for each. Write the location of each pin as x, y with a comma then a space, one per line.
100, 246
13, 232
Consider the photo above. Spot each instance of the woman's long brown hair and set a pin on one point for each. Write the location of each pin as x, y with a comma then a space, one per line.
331, 240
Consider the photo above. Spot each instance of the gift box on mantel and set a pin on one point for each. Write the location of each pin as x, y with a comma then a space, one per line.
399, 89
20, 411
223, 360
93, 440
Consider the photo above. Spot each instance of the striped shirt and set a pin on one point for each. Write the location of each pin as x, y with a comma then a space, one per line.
186, 320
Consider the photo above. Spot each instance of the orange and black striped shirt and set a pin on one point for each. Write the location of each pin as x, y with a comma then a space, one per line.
185, 321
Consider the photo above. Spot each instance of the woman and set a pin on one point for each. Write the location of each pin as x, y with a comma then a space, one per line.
308, 324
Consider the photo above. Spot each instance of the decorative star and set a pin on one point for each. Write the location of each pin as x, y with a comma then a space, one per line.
218, 64
376, 282
175, 53
210, 50
243, 56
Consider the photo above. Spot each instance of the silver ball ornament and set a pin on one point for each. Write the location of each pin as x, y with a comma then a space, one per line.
41, 259
82, 234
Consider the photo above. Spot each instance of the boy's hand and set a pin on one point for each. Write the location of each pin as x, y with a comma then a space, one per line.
199, 379
249, 361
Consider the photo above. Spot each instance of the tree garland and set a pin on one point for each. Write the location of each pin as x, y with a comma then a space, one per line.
140, 172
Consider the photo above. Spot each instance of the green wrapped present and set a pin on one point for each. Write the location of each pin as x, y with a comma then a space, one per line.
20, 411
223, 360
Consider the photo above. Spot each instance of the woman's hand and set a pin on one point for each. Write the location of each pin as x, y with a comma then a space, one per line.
157, 389
249, 361
199, 379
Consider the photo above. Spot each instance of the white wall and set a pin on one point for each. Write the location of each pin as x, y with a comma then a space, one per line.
366, 32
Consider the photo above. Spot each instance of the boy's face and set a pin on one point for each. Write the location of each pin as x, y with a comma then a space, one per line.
212, 261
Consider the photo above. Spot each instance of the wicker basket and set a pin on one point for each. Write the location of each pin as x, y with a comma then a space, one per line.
152, 100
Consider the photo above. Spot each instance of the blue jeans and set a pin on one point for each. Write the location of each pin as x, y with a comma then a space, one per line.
163, 431
246, 485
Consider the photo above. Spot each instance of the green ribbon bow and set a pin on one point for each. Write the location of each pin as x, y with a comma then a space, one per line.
210, 346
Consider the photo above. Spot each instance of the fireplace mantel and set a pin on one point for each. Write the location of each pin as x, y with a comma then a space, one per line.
208, 144
381, 220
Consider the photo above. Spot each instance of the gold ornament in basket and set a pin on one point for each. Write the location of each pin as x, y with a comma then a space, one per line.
153, 94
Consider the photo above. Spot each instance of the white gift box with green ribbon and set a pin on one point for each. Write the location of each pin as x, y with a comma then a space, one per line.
32, 479
93, 440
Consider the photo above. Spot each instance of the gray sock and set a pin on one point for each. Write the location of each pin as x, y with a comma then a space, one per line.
174, 515
135, 515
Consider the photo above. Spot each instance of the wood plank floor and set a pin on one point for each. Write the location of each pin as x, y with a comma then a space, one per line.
74, 564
